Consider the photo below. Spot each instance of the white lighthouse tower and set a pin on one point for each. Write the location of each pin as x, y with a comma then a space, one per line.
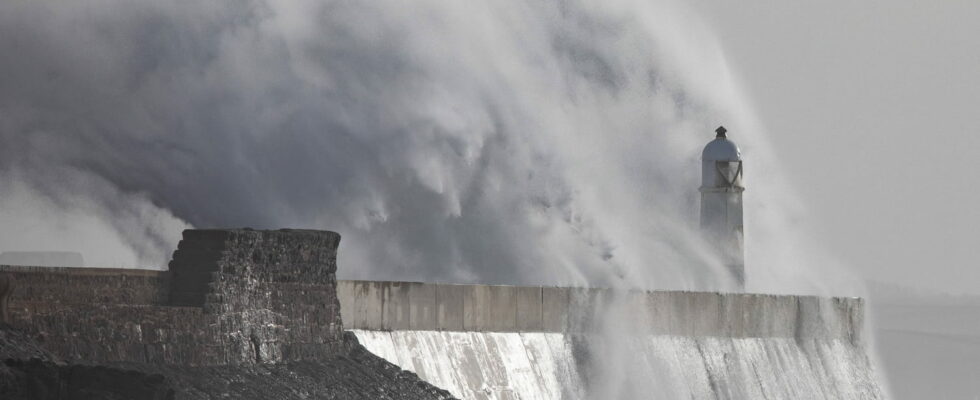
721, 202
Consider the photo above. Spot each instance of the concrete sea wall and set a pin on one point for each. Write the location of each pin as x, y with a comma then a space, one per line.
375, 305
508, 342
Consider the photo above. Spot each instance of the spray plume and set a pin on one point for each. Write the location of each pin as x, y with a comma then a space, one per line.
503, 142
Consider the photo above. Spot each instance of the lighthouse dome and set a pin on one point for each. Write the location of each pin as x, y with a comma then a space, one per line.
721, 149
721, 163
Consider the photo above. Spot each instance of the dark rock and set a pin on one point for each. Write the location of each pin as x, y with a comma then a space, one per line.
242, 314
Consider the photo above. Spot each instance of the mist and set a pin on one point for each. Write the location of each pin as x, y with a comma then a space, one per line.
503, 142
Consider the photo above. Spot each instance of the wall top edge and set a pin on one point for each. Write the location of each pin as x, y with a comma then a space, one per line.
663, 291
83, 270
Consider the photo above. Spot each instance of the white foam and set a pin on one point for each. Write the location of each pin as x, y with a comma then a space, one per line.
496, 365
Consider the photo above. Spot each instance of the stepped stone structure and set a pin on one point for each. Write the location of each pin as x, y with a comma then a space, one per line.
240, 313
231, 297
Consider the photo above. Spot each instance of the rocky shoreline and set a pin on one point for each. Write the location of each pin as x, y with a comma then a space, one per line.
29, 372
240, 314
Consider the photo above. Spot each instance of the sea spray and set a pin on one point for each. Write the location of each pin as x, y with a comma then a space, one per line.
505, 142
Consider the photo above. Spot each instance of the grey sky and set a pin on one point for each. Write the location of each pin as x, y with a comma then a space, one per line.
434, 136
872, 108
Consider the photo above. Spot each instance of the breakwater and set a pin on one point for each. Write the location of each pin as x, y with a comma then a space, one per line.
503, 342
260, 314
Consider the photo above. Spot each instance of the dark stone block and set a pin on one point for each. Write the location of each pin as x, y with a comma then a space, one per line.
243, 314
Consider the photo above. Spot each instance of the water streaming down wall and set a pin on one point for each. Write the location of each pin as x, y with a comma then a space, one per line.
505, 342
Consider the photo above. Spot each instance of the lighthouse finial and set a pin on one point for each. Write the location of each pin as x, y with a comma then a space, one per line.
721, 132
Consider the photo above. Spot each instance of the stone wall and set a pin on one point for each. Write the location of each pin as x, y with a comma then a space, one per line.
56, 285
233, 297
372, 305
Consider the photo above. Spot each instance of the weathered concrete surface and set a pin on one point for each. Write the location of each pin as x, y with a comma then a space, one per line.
551, 343
372, 305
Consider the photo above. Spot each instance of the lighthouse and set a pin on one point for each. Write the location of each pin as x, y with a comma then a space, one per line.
721, 202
